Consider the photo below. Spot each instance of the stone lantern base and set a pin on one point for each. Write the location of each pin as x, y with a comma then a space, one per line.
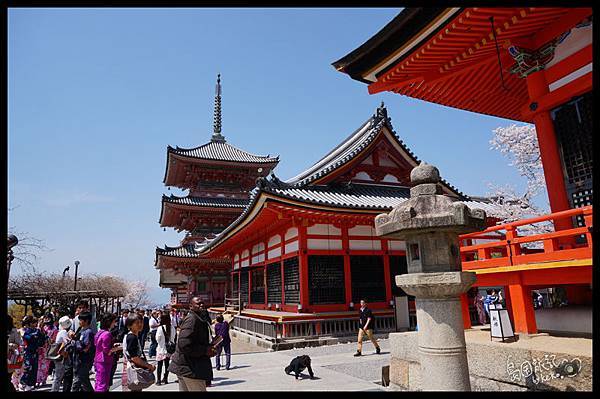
441, 340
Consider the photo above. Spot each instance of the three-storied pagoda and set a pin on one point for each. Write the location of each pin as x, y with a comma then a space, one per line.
219, 178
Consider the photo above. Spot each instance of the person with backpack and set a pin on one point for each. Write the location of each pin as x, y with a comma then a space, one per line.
105, 349
83, 349
63, 360
136, 368
165, 337
367, 323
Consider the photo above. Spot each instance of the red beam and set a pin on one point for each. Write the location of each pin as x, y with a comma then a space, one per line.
570, 64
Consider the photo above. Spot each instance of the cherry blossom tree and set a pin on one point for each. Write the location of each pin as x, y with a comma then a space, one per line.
137, 295
520, 145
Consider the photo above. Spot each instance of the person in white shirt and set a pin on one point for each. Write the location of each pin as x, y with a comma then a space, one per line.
175, 318
154, 323
165, 333
59, 365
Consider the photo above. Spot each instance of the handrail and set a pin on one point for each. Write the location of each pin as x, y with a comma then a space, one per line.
506, 250
585, 210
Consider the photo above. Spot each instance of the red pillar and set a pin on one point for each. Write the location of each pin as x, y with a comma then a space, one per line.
464, 304
537, 87
303, 266
522, 308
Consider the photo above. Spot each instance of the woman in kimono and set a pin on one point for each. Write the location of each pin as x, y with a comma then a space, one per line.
50, 331
33, 339
105, 349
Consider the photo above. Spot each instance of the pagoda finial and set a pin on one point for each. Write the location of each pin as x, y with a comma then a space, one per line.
217, 136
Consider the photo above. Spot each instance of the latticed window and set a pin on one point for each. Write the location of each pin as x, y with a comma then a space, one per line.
368, 278
274, 282
291, 275
257, 294
573, 126
244, 285
326, 279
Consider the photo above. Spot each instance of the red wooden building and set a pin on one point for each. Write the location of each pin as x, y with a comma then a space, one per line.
526, 64
218, 178
308, 245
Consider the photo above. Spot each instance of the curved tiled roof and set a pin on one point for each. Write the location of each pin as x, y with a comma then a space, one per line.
191, 250
217, 202
352, 146
353, 196
183, 251
221, 151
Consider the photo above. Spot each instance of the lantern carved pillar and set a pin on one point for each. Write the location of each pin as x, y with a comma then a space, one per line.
430, 223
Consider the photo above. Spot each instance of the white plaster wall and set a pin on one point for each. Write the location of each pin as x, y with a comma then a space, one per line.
276, 239
291, 232
274, 253
362, 230
291, 247
324, 229
576, 319
365, 245
324, 244
397, 245
258, 247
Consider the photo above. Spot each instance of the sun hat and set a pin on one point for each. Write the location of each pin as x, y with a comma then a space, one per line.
65, 322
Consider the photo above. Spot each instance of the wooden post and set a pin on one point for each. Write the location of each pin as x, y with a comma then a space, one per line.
537, 86
522, 307
464, 302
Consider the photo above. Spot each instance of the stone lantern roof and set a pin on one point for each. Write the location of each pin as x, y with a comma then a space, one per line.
427, 209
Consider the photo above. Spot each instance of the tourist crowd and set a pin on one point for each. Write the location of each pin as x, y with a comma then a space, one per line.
71, 349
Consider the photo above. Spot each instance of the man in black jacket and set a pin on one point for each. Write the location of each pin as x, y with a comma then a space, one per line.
191, 360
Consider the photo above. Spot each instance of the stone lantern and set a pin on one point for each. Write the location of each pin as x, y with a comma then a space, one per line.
430, 223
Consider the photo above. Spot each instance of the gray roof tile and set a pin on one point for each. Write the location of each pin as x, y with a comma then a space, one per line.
221, 151
217, 202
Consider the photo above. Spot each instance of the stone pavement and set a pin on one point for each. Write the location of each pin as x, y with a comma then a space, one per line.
258, 369
334, 367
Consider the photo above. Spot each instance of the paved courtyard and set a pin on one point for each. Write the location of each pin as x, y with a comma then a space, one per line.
255, 369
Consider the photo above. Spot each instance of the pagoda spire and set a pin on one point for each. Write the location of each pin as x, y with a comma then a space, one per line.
217, 136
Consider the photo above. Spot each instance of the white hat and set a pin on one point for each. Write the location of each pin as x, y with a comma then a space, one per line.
65, 322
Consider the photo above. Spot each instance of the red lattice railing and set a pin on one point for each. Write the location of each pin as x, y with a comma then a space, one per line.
505, 247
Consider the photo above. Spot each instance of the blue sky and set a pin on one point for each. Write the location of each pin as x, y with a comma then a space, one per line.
96, 95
